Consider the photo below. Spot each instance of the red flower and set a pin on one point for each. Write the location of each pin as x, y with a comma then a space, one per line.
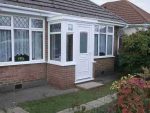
124, 110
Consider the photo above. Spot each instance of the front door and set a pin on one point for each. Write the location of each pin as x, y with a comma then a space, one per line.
84, 55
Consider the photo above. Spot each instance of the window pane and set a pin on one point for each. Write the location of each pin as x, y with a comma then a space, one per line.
21, 38
5, 21
102, 42
21, 22
103, 29
37, 23
55, 27
55, 47
109, 44
96, 28
5, 46
69, 51
96, 45
110, 29
83, 42
37, 45
70, 27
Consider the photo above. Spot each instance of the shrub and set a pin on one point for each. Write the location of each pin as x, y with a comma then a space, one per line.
135, 52
131, 95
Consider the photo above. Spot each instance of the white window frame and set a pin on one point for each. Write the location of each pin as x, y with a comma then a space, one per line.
64, 31
11, 28
107, 33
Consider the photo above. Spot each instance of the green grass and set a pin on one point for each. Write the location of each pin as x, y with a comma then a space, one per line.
58, 103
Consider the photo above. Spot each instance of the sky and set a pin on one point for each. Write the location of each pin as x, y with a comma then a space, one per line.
144, 4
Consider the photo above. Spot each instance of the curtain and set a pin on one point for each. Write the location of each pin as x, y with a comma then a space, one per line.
5, 46
37, 45
21, 43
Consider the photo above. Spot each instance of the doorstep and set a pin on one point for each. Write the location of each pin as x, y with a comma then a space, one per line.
89, 85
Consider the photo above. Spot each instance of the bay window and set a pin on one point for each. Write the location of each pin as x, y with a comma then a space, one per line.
103, 41
21, 39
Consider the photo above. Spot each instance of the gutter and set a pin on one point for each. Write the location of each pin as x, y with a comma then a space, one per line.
37, 12
138, 25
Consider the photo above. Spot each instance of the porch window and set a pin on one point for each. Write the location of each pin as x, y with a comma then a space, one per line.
55, 47
55, 42
103, 41
21, 40
69, 47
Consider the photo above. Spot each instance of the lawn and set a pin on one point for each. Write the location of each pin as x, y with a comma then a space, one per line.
58, 103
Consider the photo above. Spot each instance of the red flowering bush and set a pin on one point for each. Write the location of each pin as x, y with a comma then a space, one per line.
131, 94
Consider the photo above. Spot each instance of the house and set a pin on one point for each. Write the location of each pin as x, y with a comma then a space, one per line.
62, 42
136, 18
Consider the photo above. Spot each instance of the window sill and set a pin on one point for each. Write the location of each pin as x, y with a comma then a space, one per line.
62, 64
100, 57
21, 63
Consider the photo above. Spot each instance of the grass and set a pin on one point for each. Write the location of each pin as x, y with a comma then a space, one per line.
58, 103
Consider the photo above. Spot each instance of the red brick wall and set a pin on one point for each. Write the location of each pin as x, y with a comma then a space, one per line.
61, 77
104, 66
22, 73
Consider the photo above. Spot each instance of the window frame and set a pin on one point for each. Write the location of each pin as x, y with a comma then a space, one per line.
107, 34
64, 31
12, 28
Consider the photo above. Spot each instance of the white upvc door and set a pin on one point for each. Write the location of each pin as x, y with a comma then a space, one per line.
84, 66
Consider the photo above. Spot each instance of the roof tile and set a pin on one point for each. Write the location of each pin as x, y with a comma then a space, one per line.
128, 11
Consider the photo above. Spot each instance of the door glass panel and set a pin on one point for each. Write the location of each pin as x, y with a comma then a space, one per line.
83, 42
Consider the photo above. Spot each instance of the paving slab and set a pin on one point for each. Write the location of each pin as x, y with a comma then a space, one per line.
16, 110
89, 85
1, 111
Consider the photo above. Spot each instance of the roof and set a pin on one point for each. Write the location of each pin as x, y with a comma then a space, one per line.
131, 13
83, 8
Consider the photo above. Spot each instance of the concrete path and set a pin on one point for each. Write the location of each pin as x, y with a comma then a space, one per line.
14, 110
93, 104
12, 98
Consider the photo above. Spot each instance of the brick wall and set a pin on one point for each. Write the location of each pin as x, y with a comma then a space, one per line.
22, 73
61, 77
104, 66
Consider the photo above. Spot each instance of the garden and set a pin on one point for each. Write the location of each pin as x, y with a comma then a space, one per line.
133, 90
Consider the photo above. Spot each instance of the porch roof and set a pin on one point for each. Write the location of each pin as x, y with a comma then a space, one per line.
82, 8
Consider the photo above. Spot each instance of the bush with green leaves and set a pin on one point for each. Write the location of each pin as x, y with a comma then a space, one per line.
135, 52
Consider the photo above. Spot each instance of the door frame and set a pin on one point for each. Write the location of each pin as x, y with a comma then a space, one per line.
90, 30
